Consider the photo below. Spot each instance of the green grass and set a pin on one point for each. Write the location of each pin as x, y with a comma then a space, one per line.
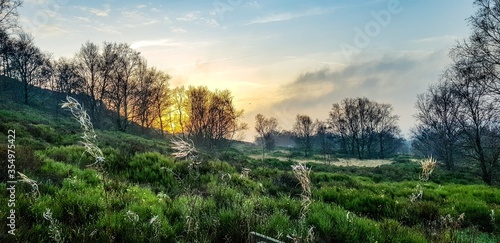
143, 195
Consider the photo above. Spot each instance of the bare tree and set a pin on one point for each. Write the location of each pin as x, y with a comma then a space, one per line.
478, 116
213, 119
266, 128
8, 13
437, 130
121, 83
66, 77
28, 63
365, 128
324, 139
303, 131
466, 105
89, 62
150, 97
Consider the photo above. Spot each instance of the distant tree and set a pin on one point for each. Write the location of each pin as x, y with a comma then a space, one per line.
177, 113
150, 97
161, 97
266, 128
324, 139
66, 77
213, 119
365, 128
303, 131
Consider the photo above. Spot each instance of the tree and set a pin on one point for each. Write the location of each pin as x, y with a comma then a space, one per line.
67, 80
28, 63
8, 13
266, 128
484, 44
478, 116
119, 72
89, 62
365, 128
472, 95
151, 97
324, 139
303, 131
437, 132
213, 119
177, 113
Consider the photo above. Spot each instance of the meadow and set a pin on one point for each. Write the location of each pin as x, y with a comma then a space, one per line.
143, 194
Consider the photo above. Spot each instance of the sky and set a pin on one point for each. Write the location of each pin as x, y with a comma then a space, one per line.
279, 58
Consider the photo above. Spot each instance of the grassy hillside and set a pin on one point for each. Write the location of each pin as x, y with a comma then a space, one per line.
143, 195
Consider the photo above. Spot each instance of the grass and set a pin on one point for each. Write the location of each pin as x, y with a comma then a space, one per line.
149, 196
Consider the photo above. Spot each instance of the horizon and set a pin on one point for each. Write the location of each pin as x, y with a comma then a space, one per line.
277, 59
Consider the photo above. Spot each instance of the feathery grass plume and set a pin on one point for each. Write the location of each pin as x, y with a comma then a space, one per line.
32, 183
428, 165
55, 226
89, 136
185, 150
302, 173
245, 172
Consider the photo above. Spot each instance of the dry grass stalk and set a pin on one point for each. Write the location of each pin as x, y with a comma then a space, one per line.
428, 165
302, 173
89, 136
55, 226
184, 149
32, 183
245, 172
417, 195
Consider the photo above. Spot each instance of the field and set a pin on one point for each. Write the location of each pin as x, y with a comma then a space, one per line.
143, 194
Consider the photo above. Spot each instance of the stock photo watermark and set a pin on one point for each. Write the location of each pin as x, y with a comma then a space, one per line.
11, 181
45, 11
363, 36
223, 6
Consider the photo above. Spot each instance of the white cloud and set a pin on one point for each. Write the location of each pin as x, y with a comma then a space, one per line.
178, 30
191, 16
159, 42
286, 16
97, 12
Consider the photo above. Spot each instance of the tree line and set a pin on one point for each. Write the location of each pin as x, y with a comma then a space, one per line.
458, 119
114, 76
356, 127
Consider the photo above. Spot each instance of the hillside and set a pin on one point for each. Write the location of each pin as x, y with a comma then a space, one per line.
143, 194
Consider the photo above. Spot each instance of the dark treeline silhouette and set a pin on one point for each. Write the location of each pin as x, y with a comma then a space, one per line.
115, 84
459, 118
357, 127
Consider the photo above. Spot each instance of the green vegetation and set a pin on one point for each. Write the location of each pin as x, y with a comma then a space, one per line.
150, 196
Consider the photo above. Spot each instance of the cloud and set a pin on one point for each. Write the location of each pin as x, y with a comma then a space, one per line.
97, 12
392, 78
152, 43
286, 16
178, 30
191, 16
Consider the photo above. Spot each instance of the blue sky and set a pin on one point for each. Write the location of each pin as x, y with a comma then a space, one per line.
278, 58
